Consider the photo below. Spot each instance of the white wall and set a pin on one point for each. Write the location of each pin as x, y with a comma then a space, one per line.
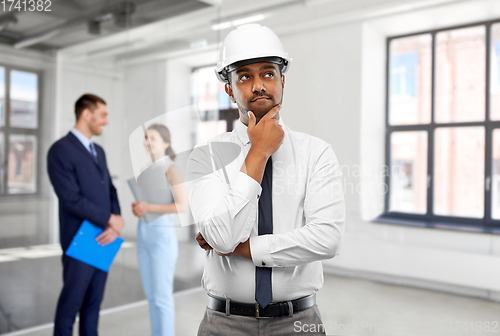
144, 99
335, 90
29, 218
134, 95
152, 90
461, 262
177, 96
322, 92
73, 80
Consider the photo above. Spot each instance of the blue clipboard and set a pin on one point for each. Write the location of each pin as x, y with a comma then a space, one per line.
84, 247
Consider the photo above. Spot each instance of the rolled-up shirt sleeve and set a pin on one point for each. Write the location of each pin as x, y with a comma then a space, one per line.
324, 212
224, 209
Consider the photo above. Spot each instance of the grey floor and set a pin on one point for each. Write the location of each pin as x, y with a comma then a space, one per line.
348, 307
29, 289
31, 280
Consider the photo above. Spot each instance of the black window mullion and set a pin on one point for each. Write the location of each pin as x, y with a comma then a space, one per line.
24, 131
414, 127
229, 115
489, 27
7, 97
430, 134
5, 163
38, 161
389, 169
488, 172
6, 133
488, 132
387, 127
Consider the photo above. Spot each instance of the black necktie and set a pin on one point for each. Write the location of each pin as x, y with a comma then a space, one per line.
263, 286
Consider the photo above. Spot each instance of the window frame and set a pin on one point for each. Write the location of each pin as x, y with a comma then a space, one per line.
228, 115
8, 130
430, 220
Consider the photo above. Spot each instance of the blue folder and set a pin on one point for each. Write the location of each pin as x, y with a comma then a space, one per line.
85, 248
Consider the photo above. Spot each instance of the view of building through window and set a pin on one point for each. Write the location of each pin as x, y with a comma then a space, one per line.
458, 153
210, 97
2, 96
23, 99
495, 73
409, 172
459, 171
495, 176
410, 80
18, 131
22, 164
460, 75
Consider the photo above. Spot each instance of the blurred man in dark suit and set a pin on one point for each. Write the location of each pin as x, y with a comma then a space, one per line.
79, 174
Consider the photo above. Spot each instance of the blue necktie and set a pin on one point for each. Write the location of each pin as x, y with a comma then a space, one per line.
263, 286
93, 151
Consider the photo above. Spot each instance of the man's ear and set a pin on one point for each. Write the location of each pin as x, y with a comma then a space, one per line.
282, 81
86, 114
229, 91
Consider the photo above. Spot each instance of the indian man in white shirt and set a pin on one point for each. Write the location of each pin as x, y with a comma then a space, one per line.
268, 201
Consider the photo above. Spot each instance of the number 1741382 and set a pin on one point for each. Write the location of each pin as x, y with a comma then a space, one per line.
25, 5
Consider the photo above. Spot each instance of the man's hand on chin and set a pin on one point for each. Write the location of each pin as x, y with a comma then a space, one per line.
242, 250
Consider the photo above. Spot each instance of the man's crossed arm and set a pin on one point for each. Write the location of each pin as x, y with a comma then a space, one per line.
242, 250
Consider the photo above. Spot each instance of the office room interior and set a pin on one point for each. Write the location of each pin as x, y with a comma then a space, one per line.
406, 92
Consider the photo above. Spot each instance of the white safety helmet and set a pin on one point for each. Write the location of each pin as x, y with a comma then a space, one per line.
250, 43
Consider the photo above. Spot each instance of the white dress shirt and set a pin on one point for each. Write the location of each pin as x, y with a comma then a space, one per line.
308, 215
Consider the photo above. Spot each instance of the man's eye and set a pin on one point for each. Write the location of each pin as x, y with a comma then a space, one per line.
244, 77
269, 74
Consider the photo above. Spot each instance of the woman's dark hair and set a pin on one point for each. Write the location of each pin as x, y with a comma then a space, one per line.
165, 135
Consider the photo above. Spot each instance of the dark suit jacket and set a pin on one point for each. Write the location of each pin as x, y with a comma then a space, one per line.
84, 188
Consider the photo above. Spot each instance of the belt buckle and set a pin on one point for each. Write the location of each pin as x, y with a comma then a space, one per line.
257, 312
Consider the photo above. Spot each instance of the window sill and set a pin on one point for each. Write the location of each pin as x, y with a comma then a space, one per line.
436, 224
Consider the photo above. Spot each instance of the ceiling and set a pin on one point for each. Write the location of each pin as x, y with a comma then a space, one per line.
71, 22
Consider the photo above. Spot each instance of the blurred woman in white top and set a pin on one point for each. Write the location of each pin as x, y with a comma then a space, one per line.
156, 240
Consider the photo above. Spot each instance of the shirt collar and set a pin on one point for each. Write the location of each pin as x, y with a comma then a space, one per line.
241, 131
83, 139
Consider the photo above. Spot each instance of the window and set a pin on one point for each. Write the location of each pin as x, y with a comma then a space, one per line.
409, 173
218, 114
410, 80
19, 131
403, 71
496, 65
443, 128
495, 73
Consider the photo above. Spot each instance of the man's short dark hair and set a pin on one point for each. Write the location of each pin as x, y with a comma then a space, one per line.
87, 101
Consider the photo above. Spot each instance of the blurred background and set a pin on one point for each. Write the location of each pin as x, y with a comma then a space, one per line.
407, 92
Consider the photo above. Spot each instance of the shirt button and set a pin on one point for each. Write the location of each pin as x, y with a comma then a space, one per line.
258, 196
263, 264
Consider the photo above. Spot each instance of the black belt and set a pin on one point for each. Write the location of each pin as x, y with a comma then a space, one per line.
277, 309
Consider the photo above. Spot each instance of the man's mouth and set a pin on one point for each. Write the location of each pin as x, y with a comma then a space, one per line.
259, 98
